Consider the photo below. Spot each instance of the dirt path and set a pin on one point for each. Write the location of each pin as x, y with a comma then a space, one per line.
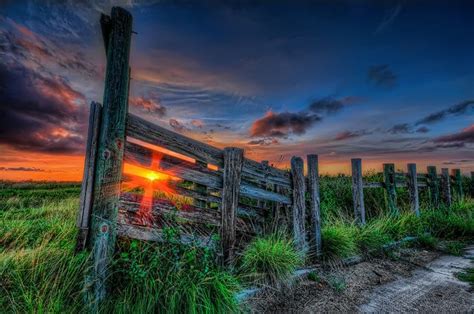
433, 288
412, 281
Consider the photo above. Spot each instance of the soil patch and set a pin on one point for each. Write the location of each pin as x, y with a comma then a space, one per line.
363, 287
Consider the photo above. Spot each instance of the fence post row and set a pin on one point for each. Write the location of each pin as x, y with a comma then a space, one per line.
358, 191
445, 187
108, 169
389, 182
433, 185
298, 203
412, 183
233, 160
314, 204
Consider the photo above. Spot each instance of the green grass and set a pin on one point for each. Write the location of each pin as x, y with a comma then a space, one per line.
40, 273
455, 248
270, 260
467, 276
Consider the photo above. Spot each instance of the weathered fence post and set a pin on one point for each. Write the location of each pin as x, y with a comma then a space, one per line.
389, 181
412, 183
472, 184
314, 204
445, 186
233, 160
298, 203
432, 182
108, 170
87, 188
457, 183
358, 191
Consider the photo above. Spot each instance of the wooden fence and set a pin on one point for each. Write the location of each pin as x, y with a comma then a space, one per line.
231, 195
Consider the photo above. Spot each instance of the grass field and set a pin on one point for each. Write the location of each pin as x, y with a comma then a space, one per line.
39, 272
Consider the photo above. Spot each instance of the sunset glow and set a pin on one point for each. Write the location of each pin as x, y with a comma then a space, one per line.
361, 84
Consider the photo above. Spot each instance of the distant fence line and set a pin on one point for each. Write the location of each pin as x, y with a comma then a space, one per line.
232, 194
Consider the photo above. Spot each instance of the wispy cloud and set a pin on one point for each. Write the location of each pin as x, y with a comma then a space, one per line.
382, 76
458, 109
389, 18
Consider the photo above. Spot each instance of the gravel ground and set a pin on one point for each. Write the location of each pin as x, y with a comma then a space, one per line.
411, 280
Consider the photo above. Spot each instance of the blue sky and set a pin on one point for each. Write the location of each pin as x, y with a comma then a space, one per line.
340, 78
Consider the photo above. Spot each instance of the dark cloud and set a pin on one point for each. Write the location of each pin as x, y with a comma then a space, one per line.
148, 105
38, 113
382, 76
422, 129
264, 142
463, 137
457, 162
331, 105
401, 128
459, 109
33, 169
350, 134
176, 125
326, 105
283, 124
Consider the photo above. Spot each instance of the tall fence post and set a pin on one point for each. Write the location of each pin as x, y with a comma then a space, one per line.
108, 172
412, 183
233, 160
445, 187
87, 188
358, 191
314, 204
433, 185
472, 184
298, 203
389, 181
457, 183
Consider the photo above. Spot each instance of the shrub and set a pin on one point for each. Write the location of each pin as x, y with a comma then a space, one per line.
270, 260
174, 278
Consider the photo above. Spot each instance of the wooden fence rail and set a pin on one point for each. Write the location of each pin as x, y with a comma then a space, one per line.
225, 193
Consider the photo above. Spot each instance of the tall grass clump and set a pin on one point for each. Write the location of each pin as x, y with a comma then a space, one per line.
339, 240
270, 260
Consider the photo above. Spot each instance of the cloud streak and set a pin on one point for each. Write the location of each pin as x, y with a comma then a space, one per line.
458, 109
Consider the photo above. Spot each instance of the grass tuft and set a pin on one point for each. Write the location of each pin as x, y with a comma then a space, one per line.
270, 260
